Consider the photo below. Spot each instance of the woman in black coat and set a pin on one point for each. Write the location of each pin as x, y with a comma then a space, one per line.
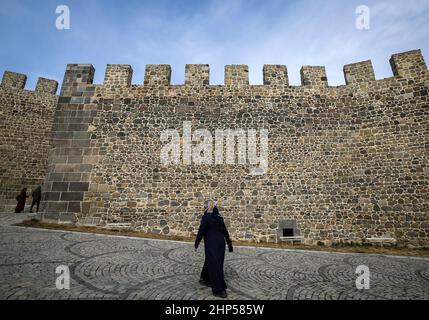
214, 232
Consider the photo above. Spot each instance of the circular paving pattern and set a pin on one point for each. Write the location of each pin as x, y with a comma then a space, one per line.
107, 267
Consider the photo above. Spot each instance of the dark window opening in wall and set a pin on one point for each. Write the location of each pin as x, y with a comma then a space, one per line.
287, 232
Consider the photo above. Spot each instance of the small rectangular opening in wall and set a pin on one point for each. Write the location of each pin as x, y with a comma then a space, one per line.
287, 232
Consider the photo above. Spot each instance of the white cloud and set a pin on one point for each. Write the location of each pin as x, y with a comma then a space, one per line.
295, 33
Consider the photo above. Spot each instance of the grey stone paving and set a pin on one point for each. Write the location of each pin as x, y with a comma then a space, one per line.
107, 267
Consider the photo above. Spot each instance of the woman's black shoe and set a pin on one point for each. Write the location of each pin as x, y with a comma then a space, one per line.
221, 294
205, 283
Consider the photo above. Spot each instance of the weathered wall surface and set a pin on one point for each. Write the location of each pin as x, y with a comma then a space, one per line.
25, 135
345, 163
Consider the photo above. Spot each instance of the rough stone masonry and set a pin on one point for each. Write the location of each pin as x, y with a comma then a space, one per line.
26, 119
346, 163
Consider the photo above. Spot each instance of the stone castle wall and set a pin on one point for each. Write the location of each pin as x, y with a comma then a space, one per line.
26, 119
345, 163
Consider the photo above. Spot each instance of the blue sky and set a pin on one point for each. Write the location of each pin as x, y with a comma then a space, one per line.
294, 33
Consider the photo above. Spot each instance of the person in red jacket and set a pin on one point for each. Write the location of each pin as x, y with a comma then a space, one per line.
21, 201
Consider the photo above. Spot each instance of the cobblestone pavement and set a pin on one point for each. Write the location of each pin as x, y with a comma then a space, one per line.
108, 267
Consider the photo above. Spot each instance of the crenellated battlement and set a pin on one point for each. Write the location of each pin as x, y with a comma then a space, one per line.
46, 86
197, 75
359, 72
77, 76
118, 74
236, 75
409, 64
13, 80
275, 75
17, 81
314, 76
157, 75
